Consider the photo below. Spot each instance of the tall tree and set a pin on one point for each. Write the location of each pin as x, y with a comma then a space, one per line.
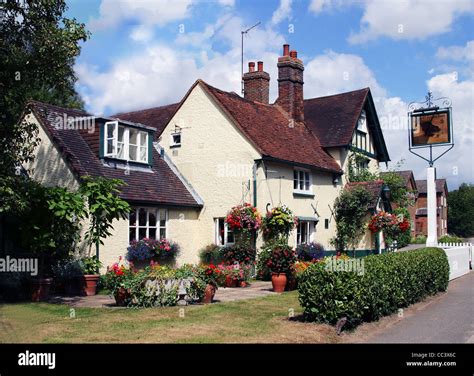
38, 48
461, 211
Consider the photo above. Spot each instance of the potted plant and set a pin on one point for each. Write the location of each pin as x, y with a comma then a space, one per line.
245, 220
116, 279
211, 276
280, 263
278, 222
90, 268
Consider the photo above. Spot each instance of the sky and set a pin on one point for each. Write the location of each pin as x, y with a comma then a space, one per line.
147, 53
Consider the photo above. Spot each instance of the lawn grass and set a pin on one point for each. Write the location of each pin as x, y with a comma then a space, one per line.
262, 320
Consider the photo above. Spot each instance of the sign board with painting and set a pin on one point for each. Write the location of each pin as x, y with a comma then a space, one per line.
430, 128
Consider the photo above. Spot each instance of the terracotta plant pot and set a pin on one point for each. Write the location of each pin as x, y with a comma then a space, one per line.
209, 293
279, 282
229, 282
90, 284
121, 296
243, 284
40, 289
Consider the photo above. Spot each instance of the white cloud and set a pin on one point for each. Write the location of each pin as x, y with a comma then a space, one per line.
156, 12
142, 33
226, 3
333, 73
457, 53
408, 19
282, 12
319, 6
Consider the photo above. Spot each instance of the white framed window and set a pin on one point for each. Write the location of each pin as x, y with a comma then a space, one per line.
223, 234
175, 139
304, 232
302, 181
147, 223
110, 139
125, 143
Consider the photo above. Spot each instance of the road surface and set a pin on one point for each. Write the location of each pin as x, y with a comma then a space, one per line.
449, 319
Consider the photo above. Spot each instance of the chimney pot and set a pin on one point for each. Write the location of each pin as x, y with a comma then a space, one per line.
251, 66
260, 66
286, 50
293, 54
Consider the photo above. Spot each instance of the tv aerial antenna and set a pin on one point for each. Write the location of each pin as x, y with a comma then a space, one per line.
242, 53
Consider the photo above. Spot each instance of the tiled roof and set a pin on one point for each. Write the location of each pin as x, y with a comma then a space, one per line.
159, 185
157, 117
421, 185
334, 117
269, 130
373, 187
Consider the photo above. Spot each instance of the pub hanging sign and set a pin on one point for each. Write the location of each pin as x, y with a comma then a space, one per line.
430, 127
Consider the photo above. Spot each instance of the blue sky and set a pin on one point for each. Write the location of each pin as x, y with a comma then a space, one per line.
147, 53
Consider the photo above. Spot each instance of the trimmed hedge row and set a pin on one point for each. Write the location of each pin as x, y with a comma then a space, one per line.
389, 282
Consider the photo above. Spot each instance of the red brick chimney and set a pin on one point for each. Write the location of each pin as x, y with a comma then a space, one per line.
290, 84
256, 84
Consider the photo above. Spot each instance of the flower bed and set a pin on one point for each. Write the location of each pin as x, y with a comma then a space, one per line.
155, 285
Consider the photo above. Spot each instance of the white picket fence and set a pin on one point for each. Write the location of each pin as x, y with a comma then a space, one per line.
459, 258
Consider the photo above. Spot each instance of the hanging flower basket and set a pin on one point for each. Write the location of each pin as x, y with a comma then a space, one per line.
244, 217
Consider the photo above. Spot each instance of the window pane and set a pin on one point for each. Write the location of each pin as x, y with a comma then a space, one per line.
132, 234
120, 150
295, 179
133, 137
162, 233
306, 181
141, 232
152, 218
301, 180
142, 217
121, 133
110, 147
143, 139
230, 236
132, 153
152, 233
143, 154
162, 218
133, 217
110, 130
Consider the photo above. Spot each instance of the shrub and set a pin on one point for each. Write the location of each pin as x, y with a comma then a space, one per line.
309, 252
404, 237
450, 239
210, 254
241, 252
236, 272
389, 282
420, 239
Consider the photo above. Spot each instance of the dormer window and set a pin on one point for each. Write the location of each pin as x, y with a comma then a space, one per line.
126, 143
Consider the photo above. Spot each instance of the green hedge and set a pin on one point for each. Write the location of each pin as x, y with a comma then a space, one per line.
389, 281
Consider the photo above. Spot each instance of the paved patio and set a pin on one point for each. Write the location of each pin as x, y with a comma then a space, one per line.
257, 289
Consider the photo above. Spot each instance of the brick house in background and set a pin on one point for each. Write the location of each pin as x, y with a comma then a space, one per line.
410, 184
421, 224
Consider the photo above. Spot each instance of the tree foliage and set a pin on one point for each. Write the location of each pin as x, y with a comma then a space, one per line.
461, 211
104, 206
350, 211
38, 47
